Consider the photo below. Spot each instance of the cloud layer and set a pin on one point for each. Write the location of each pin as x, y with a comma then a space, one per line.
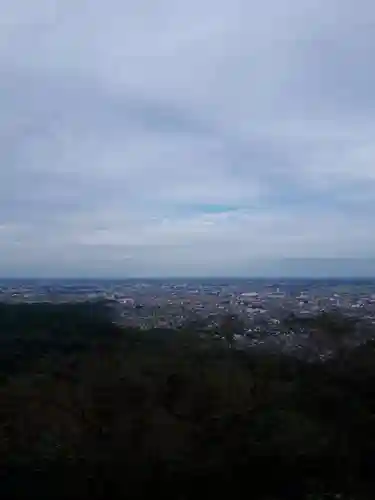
186, 138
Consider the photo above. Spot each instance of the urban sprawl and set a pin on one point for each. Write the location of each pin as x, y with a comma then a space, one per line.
266, 314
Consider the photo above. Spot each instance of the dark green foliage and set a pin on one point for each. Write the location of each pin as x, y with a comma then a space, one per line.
92, 407
30, 331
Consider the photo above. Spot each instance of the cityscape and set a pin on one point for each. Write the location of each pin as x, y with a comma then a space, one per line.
187, 266
267, 314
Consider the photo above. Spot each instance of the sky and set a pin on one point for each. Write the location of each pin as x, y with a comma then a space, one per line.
187, 138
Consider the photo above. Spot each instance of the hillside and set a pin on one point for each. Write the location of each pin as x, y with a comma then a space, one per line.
88, 408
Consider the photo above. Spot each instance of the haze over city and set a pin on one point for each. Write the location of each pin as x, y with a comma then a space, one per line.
187, 138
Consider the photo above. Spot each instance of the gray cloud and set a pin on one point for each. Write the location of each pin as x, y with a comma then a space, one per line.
185, 138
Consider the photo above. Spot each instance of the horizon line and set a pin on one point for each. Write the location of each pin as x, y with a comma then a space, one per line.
201, 277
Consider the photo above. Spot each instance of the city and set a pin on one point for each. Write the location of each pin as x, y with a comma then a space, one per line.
273, 315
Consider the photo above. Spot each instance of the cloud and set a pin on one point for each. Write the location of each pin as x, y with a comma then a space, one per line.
185, 138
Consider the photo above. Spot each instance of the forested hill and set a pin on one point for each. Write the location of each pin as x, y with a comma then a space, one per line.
88, 408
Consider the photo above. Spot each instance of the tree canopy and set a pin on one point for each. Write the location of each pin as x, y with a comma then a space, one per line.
95, 408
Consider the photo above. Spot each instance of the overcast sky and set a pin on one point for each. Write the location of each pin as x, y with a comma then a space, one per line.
200, 137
